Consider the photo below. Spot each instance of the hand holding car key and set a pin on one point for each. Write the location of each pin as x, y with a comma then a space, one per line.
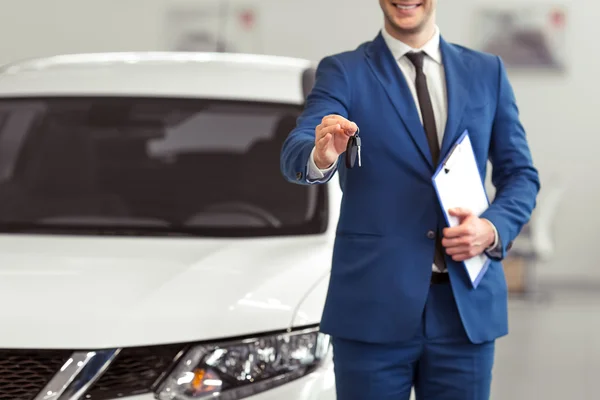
334, 136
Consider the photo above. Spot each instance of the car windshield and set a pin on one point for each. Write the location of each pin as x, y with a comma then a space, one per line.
150, 166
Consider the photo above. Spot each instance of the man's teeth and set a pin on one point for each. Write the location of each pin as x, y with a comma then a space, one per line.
407, 7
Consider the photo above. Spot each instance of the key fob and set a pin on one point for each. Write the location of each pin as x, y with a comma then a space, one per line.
353, 151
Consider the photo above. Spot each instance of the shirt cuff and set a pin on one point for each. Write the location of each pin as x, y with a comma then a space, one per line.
495, 244
315, 173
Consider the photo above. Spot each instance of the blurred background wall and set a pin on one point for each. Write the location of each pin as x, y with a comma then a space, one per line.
558, 109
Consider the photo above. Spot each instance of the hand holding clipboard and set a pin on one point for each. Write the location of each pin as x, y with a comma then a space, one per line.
458, 184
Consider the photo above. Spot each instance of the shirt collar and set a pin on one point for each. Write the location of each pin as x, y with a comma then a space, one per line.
399, 49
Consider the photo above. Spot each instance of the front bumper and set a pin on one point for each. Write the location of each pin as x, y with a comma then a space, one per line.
319, 385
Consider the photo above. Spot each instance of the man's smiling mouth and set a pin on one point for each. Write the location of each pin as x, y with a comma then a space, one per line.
407, 6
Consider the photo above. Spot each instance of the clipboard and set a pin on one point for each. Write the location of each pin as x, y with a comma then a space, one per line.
458, 183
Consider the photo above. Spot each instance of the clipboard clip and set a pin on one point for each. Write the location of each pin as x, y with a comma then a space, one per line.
450, 160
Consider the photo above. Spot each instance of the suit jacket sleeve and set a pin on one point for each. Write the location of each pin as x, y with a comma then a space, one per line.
513, 174
330, 95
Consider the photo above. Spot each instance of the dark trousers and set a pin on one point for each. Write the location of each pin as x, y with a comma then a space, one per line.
440, 362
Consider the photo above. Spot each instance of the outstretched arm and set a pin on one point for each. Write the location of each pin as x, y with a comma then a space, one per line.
329, 96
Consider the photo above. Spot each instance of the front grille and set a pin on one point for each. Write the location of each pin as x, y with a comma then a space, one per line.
134, 371
24, 373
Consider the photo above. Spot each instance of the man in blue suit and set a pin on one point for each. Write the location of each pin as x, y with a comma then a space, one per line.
400, 308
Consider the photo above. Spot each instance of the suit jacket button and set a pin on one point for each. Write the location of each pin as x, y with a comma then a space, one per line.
298, 176
431, 235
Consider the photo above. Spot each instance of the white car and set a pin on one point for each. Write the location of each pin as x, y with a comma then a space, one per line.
150, 247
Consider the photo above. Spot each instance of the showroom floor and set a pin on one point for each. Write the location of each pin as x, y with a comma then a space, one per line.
553, 349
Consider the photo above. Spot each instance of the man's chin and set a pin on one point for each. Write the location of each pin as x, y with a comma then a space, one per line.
408, 28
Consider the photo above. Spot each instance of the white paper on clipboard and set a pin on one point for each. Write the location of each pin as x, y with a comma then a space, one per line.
458, 184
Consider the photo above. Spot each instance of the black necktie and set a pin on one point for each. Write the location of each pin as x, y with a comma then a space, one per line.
425, 105
431, 132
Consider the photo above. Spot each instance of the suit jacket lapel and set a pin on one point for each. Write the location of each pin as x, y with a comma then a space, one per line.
456, 67
386, 69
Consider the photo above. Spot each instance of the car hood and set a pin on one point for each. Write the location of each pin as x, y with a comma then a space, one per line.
99, 292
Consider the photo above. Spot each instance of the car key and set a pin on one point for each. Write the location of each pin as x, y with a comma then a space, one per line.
358, 145
353, 151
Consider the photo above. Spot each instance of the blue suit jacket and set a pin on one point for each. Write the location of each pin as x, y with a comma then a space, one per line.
382, 255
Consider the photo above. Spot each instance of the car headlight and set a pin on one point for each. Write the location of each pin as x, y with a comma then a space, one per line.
235, 370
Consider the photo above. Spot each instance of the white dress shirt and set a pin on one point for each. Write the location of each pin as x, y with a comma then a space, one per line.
433, 69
